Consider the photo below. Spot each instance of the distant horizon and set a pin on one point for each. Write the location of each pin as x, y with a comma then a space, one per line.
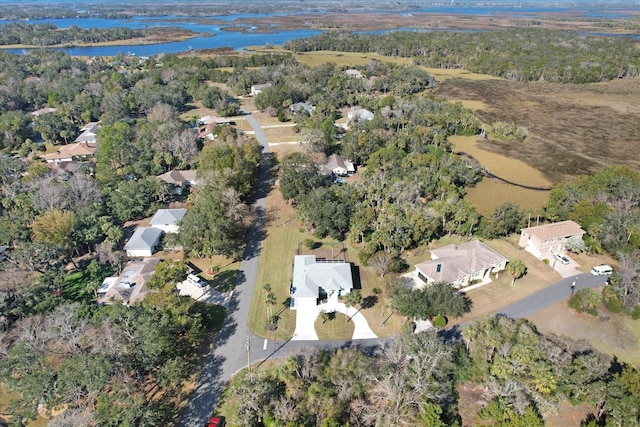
371, 3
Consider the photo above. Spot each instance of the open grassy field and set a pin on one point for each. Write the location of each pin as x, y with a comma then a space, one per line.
614, 335
573, 129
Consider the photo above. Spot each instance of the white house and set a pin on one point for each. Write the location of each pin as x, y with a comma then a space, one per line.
167, 220
543, 241
461, 265
144, 242
303, 107
317, 279
89, 133
256, 89
358, 114
352, 72
129, 287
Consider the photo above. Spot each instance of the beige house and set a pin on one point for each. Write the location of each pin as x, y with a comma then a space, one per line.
338, 166
461, 265
71, 152
180, 179
543, 241
129, 287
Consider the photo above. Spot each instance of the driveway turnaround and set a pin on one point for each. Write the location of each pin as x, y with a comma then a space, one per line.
306, 318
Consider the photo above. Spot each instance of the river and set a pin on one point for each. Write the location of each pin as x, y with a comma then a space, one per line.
219, 37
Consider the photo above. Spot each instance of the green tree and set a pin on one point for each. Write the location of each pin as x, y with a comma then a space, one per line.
516, 269
352, 299
299, 175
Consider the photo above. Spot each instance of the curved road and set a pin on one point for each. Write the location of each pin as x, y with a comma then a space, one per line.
551, 294
236, 346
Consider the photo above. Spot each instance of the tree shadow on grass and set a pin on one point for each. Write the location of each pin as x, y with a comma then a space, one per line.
226, 281
368, 302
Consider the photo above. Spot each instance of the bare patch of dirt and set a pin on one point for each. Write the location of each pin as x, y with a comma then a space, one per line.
568, 415
469, 402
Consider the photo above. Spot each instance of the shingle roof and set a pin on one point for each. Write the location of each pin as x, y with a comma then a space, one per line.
457, 261
72, 150
143, 238
178, 177
309, 275
554, 230
167, 216
89, 134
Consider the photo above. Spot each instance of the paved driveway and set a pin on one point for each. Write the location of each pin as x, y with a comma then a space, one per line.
565, 270
307, 315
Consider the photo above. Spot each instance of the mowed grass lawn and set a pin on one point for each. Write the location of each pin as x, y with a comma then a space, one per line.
335, 328
276, 268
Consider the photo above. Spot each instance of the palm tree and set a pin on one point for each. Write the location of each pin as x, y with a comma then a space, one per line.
516, 269
352, 299
270, 300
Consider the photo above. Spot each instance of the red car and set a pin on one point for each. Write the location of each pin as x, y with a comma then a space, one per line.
215, 422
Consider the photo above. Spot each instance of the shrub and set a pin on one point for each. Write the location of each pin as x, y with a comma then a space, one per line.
311, 244
586, 301
509, 131
439, 321
612, 301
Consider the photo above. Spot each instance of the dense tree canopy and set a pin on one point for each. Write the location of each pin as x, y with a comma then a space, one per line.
518, 54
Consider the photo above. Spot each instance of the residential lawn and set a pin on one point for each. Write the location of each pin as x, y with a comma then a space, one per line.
228, 271
74, 287
499, 293
276, 267
610, 333
336, 328
281, 134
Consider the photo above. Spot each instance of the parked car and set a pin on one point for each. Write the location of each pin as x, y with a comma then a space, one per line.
563, 259
196, 280
601, 270
215, 422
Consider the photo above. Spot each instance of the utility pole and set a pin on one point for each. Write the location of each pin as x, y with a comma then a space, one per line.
248, 347
573, 287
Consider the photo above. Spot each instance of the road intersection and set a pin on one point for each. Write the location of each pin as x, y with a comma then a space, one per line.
236, 347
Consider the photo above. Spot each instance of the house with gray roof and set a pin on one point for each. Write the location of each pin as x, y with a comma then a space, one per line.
317, 279
336, 165
302, 107
144, 242
89, 133
461, 265
358, 114
167, 220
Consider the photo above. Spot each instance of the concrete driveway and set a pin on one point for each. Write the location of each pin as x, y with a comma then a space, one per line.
306, 318
565, 270
204, 293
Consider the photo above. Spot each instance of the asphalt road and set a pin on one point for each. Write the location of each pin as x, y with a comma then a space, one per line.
236, 347
551, 294
230, 352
